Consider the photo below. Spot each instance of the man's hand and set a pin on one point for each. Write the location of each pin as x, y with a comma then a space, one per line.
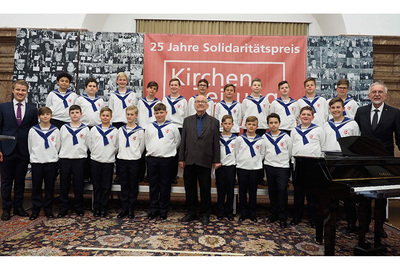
217, 165
1, 157
182, 164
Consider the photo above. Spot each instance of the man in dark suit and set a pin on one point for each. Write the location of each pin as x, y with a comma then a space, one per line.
379, 120
198, 153
16, 118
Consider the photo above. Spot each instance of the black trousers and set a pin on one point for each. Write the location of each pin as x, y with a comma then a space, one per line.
299, 195
46, 172
160, 172
225, 180
13, 171
72, 170
278, 179
191, 175
101, 174
128, 173
248, 181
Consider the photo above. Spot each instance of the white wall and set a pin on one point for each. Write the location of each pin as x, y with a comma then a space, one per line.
320, 24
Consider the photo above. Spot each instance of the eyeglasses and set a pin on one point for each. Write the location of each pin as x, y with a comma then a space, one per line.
202, 85
200, 102
377, 92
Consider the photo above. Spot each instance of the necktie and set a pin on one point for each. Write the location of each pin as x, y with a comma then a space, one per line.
122, 98
275, 142
225, 106
256, 102
104, 134
19, 114
45, 135
74, 132
336, 129
303, 134
311, 104
63, 97
199, 125
159, 127
127, 135
375, 120
226, 143
149, 106
286, 106
250, 144
172, 103
92, 101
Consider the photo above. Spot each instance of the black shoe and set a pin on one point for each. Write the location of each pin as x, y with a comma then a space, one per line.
263, 182
383, 234
312, 224
231, 217
49, 214
272, 219
117, 180
103, 213
131, 215
122, 214
295, 221
6, 216
189, 217
80, 212
220, 216
62, 214
205, 220
242, 218
351, 228
163, 216
152, 215
282, 223
253, 218
20, 212
34, 216
175, 180
96, 213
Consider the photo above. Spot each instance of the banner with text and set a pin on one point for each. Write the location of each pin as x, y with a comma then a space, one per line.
222, 59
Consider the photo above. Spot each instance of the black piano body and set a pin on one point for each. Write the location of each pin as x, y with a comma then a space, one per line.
341, 177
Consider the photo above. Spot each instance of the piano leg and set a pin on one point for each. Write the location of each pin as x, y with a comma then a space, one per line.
329, 228
380, 214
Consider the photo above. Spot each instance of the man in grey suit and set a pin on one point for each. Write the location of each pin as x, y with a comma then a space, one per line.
198, 153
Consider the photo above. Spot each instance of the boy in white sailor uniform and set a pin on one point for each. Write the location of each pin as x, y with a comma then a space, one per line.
59, 100
226, 175
228, 106
146, 105
318, 103
202, 87
256, 105
103, 145
278, 153
90, 104
338, 126
177, 108
286, 107
43, 145
130, 150
249, 152
308, 139
350, 105
162, 139
341, 126
120, 99
73, 161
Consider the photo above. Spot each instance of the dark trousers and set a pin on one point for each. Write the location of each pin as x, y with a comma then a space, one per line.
128, 171
101, 174
278, 179
248, 181
13, 171
72, 170
46, 172
299, 195
191, 175
225, 180
160, 174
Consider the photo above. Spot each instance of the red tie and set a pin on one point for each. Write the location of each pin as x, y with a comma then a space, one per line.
19, 116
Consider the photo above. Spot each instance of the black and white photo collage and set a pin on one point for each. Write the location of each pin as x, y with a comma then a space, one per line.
331, 58
40, 55
103, 55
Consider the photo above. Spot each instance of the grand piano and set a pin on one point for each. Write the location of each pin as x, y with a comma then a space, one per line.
361, 171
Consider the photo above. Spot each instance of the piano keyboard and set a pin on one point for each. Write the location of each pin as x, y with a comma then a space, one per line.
376, 188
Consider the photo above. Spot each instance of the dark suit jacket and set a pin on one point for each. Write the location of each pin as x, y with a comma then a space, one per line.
389, 123
9, 126
203, 150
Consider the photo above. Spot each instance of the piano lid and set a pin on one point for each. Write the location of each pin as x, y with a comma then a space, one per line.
361, 146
